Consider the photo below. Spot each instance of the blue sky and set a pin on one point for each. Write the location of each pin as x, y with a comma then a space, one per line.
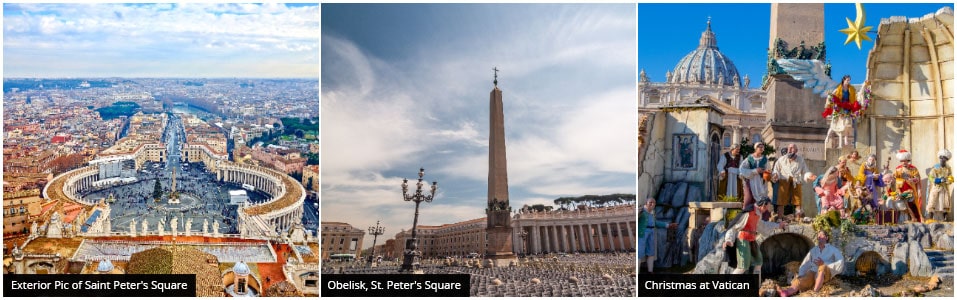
743, 31
161, 40
407, 86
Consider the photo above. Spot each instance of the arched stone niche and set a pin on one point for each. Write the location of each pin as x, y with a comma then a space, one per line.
782, 248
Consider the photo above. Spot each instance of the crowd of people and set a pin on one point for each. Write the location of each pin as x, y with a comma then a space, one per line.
201, 198
574, 275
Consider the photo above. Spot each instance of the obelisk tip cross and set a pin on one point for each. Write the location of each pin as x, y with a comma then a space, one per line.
496, 76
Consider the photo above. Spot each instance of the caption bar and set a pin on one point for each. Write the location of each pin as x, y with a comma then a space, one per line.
99, 285
698, 285
395, 285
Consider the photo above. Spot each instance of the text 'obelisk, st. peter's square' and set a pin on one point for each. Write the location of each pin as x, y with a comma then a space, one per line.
498, 213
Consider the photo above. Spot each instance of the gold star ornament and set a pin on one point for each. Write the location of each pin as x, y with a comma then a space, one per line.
856, 31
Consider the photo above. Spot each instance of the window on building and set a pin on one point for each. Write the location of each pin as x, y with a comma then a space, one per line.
757, 104
653, 96
727, 100
726, 141
755, 138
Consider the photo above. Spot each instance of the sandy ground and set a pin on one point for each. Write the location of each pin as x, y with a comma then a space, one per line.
844, 286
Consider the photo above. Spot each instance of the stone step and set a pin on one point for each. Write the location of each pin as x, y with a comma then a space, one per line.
940, 257
939, 253
942, 262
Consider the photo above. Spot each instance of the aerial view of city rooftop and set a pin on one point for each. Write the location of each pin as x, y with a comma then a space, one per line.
165, 139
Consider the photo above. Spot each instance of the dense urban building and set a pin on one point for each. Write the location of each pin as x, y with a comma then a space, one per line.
340, 238
19, 210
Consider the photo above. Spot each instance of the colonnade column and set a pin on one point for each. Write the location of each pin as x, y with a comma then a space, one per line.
621, 235
586, 228
561, 240
550, 238
546, 230
611, 237
582, 238
568, 241
572, 241
557, 235
631, 239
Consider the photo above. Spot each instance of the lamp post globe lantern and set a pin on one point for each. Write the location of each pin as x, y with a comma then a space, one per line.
524, 235
375, 231
410, 260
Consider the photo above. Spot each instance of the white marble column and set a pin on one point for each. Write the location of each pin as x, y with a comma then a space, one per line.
621, 236
631, 235
581, 237
547, 241
570, 237
611, 238
587, 235
601, 237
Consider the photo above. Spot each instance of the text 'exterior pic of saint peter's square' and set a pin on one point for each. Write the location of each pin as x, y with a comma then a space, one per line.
802, 150
487, 148
160, 150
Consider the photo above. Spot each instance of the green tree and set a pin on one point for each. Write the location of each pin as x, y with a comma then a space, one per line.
747, 148
312, 158
157, 190
595, 200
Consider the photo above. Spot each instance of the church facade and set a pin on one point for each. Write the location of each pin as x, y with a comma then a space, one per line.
685, 122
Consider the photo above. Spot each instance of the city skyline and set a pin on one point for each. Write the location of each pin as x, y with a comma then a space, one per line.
193, 40
745, 40
393, 103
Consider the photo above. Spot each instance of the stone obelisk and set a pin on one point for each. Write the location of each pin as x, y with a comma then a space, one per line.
498, 212
793, 112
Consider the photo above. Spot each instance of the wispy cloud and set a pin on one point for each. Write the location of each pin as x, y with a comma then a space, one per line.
568, 74
211, 40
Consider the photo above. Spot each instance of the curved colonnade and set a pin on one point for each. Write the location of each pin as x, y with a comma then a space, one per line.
65, 186
598, 230
285, 205
283, 209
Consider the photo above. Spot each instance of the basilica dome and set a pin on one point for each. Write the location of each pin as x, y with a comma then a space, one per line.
241, 269
104, 266
706, 65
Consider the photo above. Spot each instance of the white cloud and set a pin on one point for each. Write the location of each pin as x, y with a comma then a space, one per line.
466, 132
192, 33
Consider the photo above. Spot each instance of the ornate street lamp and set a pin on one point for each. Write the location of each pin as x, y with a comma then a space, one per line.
375, 231
410, 260
524, 235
